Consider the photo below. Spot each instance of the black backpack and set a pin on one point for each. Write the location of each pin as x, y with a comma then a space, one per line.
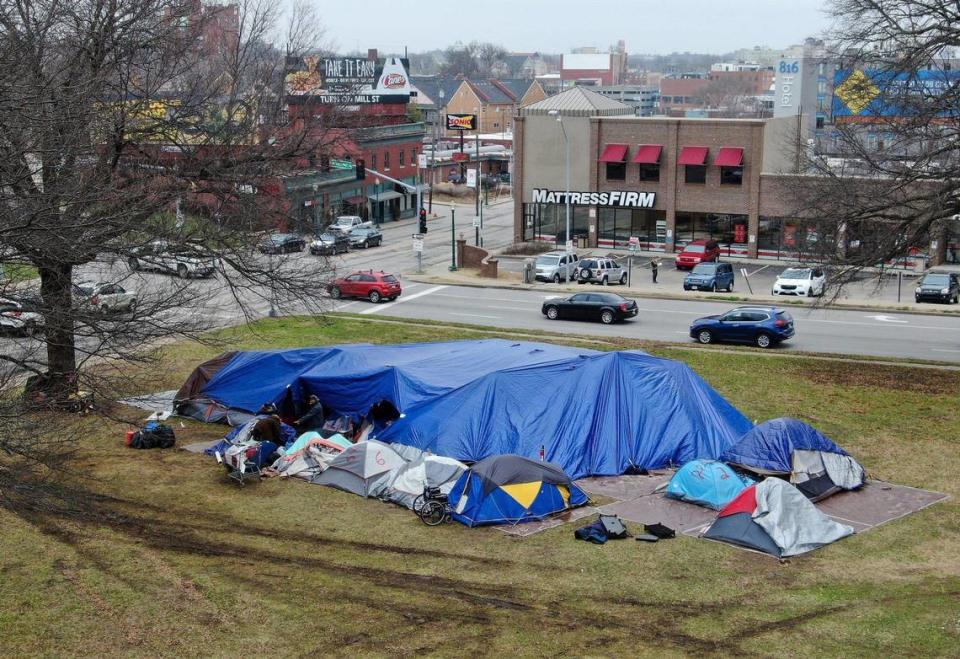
613, 527
154, 435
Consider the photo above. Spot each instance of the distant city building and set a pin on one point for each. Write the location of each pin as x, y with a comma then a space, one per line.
735, 66
588, 66
644, 99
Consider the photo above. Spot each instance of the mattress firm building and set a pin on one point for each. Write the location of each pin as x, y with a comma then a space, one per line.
664, 181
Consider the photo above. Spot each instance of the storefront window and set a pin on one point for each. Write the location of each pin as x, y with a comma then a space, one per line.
696, 173
768, 237
650, 172
616, 171
731, 176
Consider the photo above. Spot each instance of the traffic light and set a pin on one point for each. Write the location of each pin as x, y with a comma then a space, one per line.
361, 169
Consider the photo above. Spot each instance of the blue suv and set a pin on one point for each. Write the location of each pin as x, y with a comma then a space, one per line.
709, 277
764, 327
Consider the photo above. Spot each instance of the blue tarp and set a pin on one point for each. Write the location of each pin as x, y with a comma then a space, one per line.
707, 483
593, 416
769, 446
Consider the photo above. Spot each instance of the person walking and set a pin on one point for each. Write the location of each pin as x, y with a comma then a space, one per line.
654, 268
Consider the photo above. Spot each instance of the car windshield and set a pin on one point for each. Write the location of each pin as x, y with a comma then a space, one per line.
795, 273
327, 237
936, 280
705, 269
390, 279
695, 249
84, 289
547, 260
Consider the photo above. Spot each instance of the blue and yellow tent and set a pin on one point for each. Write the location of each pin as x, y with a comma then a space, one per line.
508, 489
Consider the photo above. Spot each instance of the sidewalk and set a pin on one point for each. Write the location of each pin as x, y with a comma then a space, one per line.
642, 287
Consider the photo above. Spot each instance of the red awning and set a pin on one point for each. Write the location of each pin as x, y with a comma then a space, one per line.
729, 156
648, 154
614, 153
693, 155
356, 201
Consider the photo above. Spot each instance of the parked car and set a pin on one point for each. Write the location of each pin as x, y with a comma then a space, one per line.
938, 287
281, 243
709, 277
698, 251
329, 243
183, 260
15, 319
104, 297
555, 266
374, 286
800, 281
606, 307
600, 271
762, 326
365, 237
344, 224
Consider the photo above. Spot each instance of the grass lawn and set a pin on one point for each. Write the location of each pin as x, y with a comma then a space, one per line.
16, 272
168, 557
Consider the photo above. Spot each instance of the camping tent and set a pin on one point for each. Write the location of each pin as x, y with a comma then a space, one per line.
364, 469
428, 470
782, 447
510, 489
706, 483
774, 517
600, 415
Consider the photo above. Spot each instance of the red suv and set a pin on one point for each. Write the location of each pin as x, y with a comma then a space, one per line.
698, 251
374, 286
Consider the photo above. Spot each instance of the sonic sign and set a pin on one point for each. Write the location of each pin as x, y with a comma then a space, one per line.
461, 122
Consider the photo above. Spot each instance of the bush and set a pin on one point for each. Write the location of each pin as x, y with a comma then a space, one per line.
529, 249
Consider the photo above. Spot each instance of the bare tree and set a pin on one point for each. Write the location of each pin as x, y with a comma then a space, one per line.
114, 118
472, 60
887, 179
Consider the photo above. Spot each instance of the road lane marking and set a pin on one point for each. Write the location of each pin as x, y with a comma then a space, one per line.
479, 299
888, 319
381, 307
472, 315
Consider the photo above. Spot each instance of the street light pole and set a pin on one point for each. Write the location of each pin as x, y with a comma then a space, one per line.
566, 145
453, 238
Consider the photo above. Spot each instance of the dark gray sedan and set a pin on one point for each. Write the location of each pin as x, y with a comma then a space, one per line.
365, 237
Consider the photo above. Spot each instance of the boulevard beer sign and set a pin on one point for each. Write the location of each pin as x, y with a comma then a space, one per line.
623, 199
461, 122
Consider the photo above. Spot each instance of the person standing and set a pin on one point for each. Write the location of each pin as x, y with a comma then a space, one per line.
654, 268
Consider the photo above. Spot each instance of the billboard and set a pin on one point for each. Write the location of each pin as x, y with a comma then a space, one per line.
461, 122
347, 80
874, 93
795, 87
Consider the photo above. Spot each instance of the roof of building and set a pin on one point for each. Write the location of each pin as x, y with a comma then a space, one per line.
578, 102
430, 87
490, 92
516, 87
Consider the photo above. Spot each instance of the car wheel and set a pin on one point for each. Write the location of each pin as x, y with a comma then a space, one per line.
705, 337
29, 328
104, 309
365, 245
336, 293
730, 287
713, 287
553, 313
182, 271
623, 279
556, 278
956, 298
133, 263
374, 296
607, 317
764, 340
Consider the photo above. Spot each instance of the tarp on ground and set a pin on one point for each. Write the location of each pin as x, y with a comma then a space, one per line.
350, 379
594, 416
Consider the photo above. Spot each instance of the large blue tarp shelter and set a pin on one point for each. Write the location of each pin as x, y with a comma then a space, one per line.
592, 413
769, 446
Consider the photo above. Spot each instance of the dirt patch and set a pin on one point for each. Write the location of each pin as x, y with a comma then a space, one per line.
925, 381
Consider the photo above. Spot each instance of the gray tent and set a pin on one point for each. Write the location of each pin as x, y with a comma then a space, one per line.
432, 470
365, 469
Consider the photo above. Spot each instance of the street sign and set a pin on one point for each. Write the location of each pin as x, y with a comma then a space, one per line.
569, 247
476, 222
422, 161
471, 178
417, 244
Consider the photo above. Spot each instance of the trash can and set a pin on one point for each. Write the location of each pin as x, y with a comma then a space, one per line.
528, 271
581, 241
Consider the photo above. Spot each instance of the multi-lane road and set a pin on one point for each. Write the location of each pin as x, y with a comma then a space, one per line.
878, 334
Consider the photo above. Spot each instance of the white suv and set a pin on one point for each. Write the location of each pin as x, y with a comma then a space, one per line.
809, 282
556, 266
601, 271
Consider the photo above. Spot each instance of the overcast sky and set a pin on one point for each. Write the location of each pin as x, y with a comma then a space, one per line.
647, 26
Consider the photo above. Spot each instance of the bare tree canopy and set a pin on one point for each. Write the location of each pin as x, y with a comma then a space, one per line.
472, 60
133, 127
886, 180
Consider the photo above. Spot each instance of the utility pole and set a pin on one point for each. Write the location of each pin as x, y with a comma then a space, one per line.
453, 237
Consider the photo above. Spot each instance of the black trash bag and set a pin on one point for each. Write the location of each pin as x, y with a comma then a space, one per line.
659, 530
153, 435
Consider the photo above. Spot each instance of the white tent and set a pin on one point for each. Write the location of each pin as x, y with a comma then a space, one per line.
432, 470
364, 469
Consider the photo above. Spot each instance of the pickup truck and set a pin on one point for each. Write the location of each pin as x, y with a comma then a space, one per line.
347, 223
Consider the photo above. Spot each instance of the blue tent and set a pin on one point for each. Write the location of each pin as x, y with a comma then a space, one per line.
598, 415
768, 448
350, 379
508, 489
707, 483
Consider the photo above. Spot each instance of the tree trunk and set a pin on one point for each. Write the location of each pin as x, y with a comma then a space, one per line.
56, 284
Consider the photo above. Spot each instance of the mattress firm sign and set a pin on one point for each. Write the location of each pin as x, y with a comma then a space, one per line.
624, 199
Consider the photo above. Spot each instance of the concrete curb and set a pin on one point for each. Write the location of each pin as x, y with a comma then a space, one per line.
741, 299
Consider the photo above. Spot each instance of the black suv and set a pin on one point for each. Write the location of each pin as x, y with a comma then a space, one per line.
938, 287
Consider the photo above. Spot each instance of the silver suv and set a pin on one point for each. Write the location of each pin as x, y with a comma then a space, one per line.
601, 271
555, 266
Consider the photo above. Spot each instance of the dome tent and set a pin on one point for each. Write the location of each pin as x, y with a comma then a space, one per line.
789, 447
364, 469
707, 483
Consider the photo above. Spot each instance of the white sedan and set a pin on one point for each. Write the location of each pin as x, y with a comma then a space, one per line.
15, 320
105, 297
809, 282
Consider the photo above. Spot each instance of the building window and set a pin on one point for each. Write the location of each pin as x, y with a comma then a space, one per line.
413, 156
616, 171
731, 176
401, 157
650, 172
386, 160
696, 173
373, 161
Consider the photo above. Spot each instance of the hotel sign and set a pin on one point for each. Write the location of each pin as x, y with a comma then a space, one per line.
623, 199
